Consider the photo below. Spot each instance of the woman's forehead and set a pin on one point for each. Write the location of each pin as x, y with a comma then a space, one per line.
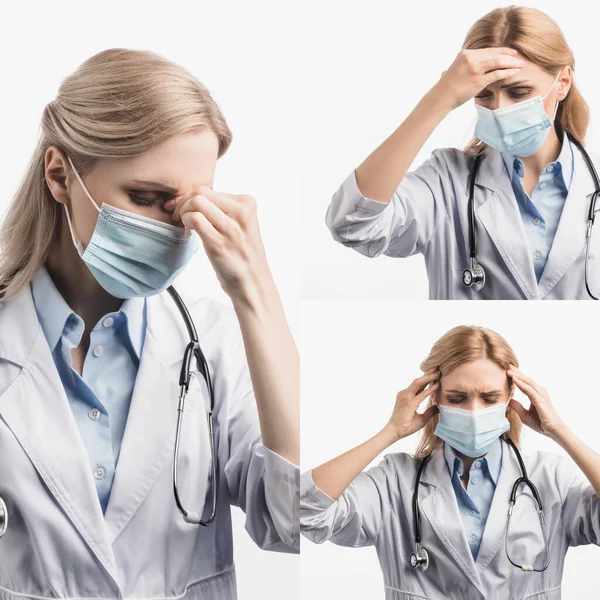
478, 374
181, 163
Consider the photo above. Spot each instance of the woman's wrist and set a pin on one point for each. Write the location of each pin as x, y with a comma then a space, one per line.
389, 435
255, 294
440, 100
561, 434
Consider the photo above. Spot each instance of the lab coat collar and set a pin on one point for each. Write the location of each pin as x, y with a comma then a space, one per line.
149, 437
496, 208
35, 407
499, 213
440, 507
569, 240
495, 526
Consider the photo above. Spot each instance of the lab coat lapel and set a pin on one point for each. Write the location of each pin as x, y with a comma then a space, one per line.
570, 237
36, 409
440, 507
498, 211
149, 438
495, 526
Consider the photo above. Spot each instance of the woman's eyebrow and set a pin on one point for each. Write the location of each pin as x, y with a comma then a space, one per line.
457, 392
164, 186
514, 83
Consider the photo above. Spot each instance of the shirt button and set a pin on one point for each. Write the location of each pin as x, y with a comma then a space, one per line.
473, 513
543, 185
537, 255
108, 321
478, 463
473, 480
537, 221
94, 414
473, 537
98, 350
99, 472
550, 168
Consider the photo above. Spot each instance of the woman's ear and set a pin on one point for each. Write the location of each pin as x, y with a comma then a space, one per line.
565, 79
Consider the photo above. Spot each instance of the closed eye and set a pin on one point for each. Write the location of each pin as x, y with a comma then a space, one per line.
456, 399
143, 200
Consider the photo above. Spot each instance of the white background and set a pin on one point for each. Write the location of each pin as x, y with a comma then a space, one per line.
365, 67
357, 355
309, 90
243, 53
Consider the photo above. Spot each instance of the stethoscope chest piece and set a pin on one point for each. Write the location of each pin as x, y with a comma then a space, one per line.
3, 517
474, 277
419, 559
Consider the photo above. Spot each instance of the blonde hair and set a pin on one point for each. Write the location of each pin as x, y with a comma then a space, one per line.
539, 39
118, 103
461, 345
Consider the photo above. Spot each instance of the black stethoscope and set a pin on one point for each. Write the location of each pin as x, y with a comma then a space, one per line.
474, 276
419, 559
184, 383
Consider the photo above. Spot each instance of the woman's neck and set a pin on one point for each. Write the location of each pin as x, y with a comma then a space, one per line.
71, 276
548, 153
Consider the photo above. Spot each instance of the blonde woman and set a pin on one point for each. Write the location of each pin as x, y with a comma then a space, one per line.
117, 198
508, 216
451, 542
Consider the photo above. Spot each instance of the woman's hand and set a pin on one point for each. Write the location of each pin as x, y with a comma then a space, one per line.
473, 70
228, 227
540, 416
405, 419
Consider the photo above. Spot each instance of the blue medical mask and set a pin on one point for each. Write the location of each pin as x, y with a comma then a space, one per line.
518, 129
472, 432
131, 255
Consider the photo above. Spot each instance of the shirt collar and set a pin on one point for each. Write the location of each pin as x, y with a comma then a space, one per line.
492, 460
53, 313
50, 306
564, 161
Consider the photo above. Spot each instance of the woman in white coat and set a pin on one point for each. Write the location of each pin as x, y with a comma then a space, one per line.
466, 483
533, 188
115, 202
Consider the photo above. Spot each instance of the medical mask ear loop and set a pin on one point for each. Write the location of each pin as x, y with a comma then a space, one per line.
549, 90
75, 243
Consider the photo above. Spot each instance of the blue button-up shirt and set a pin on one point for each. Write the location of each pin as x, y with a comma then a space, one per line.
100, 397
541, 211
475, 501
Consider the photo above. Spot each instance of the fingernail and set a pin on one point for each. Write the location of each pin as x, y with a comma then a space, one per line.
169, 204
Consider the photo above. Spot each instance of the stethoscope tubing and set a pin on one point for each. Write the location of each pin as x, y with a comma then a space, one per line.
524, 479
193, 348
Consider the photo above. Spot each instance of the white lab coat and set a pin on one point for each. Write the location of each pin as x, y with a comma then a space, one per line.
428, 215
59, 544
376, 509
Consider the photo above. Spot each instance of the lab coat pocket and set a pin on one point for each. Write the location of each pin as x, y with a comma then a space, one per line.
194, 460
525, 540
